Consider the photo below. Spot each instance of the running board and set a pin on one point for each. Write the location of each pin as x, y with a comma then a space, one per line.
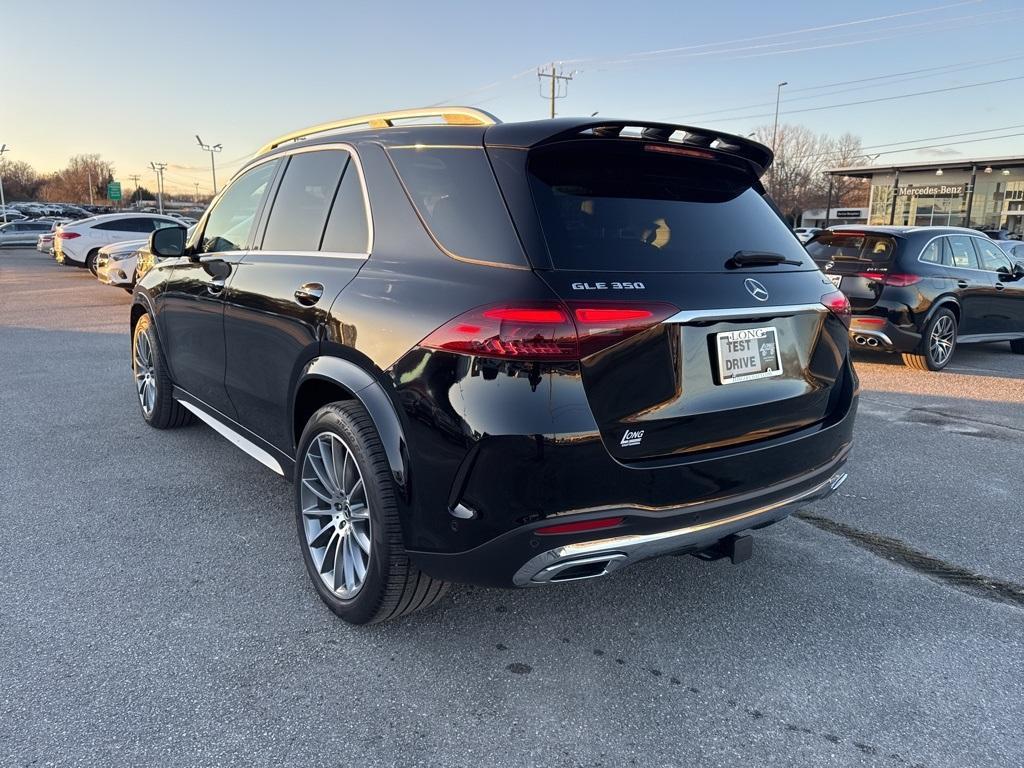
234, 437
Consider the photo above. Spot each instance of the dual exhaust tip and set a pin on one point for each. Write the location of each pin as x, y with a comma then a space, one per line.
866, 341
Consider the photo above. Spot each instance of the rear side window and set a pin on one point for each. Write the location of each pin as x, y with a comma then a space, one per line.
457, 196
852, 246
962, 252
932, 253
303, 199
622, 206
347, 230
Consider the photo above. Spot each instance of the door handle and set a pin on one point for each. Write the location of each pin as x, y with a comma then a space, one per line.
215, 286
1000, 286
309, 294
962, 283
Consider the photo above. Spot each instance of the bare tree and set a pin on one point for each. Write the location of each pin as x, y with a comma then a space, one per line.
72, 184
21, 182
798, 180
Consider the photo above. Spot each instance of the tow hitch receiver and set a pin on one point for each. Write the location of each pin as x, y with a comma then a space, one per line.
738, 548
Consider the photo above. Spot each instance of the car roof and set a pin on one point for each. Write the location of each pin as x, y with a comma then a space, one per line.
904, 231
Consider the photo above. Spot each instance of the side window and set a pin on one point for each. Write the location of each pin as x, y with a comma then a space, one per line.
347, 230
962, 252
139, 225
932, 253
992, 257
303, 198
109, 225
230, 222
163, 224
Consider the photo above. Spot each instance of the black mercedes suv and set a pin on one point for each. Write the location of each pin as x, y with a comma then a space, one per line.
505, 354
920, 291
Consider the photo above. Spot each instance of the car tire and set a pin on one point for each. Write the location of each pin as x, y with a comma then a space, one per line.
90, 260
1017, 346
153, 381
938, 343
343, 476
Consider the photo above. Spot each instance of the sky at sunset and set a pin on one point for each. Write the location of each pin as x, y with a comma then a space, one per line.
136, 81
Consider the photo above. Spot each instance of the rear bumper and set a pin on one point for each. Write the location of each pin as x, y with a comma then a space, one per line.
866, 332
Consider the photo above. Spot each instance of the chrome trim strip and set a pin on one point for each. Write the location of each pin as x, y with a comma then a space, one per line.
234, 437
637, 547
330, 254
742, 313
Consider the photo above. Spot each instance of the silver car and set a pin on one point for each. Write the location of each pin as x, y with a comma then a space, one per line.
23, 232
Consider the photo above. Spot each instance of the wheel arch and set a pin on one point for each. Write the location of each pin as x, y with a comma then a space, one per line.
328, 379
944, 302
140, 307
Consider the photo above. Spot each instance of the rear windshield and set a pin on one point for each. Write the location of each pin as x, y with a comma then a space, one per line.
622, 206
852, 246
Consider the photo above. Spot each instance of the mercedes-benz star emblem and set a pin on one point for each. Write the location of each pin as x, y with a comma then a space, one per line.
755, 289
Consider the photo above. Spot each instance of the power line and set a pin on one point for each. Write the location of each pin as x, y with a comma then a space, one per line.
929, 146
877, 100
555, 77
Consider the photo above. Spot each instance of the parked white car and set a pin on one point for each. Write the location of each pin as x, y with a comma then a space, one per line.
803, 234
116, 264
79, 242
45, 243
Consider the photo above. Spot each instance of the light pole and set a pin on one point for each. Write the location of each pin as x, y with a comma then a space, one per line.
211, 150
778, 98
3, 202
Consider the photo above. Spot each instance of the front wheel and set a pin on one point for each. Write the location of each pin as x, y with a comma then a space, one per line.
347, 519
153, 381
937, 343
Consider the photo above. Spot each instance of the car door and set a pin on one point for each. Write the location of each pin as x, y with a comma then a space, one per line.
976, 288
1008, 301
190, 307
313, 241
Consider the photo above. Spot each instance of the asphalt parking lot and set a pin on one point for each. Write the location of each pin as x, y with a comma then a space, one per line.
154, 609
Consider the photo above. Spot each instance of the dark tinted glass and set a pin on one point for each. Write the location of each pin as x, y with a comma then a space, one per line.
303, 199
230, 222
619, 206
992, 257
962, 251
455, 192
852, 246
346, 228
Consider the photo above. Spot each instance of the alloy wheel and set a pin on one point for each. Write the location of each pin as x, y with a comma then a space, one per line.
942, 340
335, 514
145, 375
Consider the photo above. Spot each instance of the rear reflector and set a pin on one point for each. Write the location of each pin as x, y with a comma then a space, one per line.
838, 305
548, 331
580, 527
870, 321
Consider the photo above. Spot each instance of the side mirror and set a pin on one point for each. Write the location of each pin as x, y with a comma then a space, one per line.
167, 242
1018, 271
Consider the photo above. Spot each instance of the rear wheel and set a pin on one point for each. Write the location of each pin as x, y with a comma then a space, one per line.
937, 344
90, 261
153, 381
347, 519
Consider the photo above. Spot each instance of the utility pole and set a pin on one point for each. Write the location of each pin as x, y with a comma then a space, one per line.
211, 150
89, 171
555, 77
195, 196
778, 98
3, 202
158, 168
135, 178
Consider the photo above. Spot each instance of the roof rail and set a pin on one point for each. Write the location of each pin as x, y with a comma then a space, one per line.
451, 116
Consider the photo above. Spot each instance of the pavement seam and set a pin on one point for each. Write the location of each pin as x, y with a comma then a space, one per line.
936, 412
948, 574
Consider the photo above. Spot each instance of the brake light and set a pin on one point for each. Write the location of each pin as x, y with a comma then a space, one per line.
548, 331
683, 151
579, 527
67, 235
838, 305
896, 280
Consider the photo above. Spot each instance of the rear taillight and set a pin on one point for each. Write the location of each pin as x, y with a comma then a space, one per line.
67, 235
894, 279
551, 331
838, 305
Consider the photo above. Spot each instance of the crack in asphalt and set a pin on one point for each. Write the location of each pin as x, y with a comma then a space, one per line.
947, 574
940, 413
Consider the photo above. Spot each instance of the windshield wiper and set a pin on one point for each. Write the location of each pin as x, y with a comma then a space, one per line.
759, 259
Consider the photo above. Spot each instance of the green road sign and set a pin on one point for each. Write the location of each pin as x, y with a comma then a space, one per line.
114, 190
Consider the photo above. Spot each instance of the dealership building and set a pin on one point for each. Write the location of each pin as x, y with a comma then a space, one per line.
987, 193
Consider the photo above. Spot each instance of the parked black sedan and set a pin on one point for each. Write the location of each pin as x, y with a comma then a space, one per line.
920, 291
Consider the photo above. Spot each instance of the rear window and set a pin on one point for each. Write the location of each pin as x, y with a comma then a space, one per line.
852, 246
621, 206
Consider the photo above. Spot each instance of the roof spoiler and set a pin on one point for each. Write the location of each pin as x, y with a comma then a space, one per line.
539, 132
